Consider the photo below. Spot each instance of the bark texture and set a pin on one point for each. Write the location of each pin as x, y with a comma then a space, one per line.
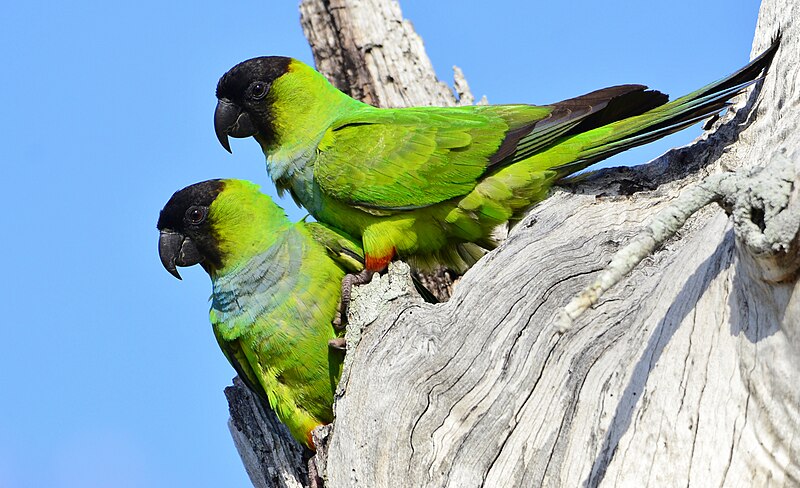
685, 373
369, 51
270, 455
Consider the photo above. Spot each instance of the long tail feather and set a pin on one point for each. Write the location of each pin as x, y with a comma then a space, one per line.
603, 142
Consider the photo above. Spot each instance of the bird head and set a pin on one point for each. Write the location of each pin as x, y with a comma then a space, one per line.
244, 99
186, 231
218, 224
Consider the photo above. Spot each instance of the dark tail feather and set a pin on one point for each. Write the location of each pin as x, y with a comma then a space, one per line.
574, 116
747, 74
672, 116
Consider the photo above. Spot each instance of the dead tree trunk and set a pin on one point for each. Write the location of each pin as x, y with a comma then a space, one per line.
684, 373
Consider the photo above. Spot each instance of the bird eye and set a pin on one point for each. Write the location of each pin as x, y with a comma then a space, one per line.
258, 90
196, 215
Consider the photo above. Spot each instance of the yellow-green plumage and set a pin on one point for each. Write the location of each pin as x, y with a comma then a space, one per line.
426, 182
276, 288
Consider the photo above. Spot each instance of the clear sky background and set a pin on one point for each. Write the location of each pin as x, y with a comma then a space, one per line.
109, 372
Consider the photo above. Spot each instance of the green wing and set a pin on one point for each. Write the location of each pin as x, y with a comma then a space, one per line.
342, 248
409, 158
402, 159
233, 352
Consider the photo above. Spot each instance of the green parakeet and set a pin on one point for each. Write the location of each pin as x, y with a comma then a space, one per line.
424, 183
276, 289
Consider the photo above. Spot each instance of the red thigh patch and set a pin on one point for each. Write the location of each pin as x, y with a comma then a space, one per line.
378, 263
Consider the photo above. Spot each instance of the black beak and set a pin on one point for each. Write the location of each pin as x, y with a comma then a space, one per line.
230, 120
176, 250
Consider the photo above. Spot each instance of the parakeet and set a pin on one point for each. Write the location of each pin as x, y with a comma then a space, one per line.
276, 289
430, 184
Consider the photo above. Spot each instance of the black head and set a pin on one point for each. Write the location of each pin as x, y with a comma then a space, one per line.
186, 237
243, 101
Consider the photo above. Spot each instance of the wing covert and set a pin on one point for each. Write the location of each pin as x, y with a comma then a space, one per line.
406, 159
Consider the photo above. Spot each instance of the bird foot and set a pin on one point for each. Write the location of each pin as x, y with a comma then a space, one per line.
338, 344
337, 319
350, 280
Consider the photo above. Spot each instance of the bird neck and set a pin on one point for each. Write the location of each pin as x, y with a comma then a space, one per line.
303, 106
263, 271
253, 224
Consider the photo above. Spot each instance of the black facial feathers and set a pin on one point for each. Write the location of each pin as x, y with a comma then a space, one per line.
186, 214
200, 194
234, 84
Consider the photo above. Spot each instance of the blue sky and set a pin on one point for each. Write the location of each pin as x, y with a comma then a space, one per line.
110, 374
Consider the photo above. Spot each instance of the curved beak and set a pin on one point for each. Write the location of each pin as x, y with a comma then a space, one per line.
230, 120
176, 250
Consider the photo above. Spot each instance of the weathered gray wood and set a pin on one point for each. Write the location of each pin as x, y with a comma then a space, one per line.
270, 455
684, 374
368, 50
764, 219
